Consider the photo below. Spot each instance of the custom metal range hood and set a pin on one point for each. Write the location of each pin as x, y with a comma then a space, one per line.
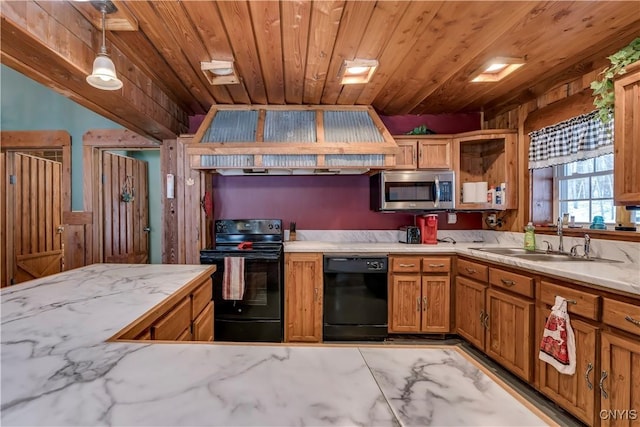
292, 140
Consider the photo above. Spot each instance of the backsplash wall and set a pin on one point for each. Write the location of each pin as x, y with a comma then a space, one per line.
324, 202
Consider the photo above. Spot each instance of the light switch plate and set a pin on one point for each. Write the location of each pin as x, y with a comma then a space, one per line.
452, 218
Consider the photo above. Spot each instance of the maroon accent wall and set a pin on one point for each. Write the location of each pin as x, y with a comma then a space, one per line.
399, 125
439, 123
324, 202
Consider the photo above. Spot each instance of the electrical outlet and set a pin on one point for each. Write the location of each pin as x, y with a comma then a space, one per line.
491, 220
452, 218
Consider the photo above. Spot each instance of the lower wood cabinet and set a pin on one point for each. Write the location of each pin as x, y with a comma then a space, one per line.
470, 310
509, 332
619, 380
575, 393
186, 315
303, 297
419, 294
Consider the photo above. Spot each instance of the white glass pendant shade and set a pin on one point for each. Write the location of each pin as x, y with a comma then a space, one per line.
104, 74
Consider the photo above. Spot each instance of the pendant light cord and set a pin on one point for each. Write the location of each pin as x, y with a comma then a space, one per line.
103, 9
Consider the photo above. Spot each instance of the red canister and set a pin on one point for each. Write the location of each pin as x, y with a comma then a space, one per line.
430, 235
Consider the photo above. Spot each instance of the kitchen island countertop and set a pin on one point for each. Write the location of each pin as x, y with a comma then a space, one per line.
624, 277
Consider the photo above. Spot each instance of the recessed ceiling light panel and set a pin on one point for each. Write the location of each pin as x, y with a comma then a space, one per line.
497, 69
220, 72
357, 71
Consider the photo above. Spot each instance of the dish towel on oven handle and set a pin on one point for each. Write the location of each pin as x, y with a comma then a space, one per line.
558, 345
233, 278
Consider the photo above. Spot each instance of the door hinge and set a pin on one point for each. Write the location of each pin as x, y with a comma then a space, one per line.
12, 179
103, 179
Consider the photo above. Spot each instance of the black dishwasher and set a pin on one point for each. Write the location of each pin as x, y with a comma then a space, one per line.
355, 297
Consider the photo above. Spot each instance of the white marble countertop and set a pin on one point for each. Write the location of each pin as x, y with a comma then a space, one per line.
623, 276
57, 369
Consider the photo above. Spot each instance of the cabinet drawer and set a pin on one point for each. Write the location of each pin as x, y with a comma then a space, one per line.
405, 265
473, 270
436, 265
586, 304
201, 297
517, 283
171, 326
622, 315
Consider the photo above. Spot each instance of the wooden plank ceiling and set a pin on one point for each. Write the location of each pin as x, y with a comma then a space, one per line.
290, 52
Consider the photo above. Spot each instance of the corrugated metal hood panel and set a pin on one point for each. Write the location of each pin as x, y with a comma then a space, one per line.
292, 139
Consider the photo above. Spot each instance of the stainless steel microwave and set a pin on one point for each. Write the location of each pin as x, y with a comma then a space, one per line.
412, 190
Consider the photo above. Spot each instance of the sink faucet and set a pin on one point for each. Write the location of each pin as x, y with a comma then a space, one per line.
587, 245
560, 245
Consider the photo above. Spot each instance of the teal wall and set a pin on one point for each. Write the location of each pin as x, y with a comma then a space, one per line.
28, 105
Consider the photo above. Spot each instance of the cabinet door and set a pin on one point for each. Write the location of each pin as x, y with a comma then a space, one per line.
203, 324
406, 303
620, 381
303, 297
509, 332
435, 154
626, 179
435, 304
172, 326
575, 393
408, 157
470, 310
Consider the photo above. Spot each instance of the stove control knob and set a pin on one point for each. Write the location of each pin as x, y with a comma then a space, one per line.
270, 226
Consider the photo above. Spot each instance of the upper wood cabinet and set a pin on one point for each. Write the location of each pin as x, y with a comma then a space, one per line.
424, 152
487, 155
303, 297
627, 138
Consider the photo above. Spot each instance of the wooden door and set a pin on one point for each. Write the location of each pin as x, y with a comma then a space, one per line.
406, 303
34, 208
620, 380
509, 332
575, 393
303, 297
125, 209
470, 310
435, 304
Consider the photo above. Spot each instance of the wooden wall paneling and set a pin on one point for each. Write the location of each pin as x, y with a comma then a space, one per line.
237, 22
325, 21
78, 246
6, 224
296, 17
184, 217
353, 25
169, 165
541, 190
480, 30
38, 27
205, 17
179, 27
190, 214
382, 25
267, 25
409, 38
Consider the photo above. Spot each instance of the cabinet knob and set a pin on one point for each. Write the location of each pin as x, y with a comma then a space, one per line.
508, 282
470, 270
424, 303
436, 265
407, 265
418, 304
632, 320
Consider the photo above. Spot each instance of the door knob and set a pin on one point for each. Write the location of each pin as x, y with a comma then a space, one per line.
60, 229
147, 229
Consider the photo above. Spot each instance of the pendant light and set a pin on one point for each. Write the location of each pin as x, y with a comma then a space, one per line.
104, 75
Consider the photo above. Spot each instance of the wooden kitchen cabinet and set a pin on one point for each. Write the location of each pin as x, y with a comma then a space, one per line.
626, 180
471, 288
303, 297
187, 315
575, 393
619, 381
509, 337
424, 152
419, 295
488, 155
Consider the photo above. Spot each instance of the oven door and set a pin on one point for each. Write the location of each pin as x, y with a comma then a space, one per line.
262, 298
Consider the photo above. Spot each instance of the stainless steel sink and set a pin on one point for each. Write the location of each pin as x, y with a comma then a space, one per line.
542, 255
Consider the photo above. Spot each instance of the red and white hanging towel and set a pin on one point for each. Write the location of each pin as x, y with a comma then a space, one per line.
233, 278
558, 345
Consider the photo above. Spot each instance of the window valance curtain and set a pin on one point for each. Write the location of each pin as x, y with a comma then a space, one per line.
579, 138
